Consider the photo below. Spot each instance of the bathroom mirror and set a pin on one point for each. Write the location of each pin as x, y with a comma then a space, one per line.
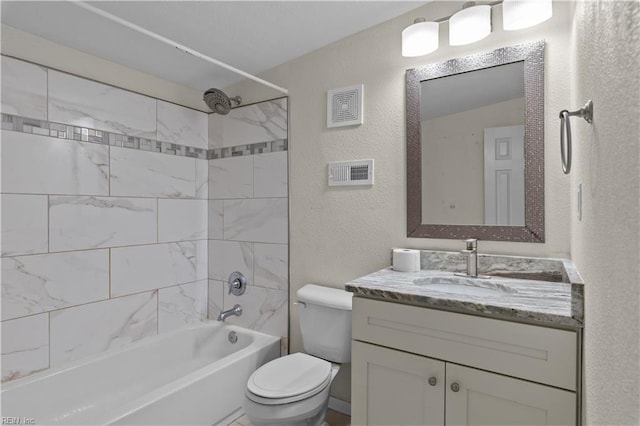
475, 146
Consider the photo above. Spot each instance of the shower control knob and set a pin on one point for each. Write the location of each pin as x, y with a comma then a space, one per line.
455, 387
433, 381
237, 283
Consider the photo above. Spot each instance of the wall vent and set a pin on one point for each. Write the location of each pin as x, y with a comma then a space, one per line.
357, 172
344, 106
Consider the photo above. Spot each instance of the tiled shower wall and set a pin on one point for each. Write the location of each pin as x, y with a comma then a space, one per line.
104, 217
248, 214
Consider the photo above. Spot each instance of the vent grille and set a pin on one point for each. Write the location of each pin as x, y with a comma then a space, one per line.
357, 172
344, 106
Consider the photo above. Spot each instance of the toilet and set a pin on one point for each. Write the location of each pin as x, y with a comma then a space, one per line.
294, 389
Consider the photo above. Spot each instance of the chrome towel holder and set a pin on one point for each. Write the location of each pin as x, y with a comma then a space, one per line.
585, 112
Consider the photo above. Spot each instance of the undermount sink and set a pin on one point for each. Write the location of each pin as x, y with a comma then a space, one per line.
464, 285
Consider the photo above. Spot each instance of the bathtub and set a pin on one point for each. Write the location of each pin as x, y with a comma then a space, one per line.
190, 376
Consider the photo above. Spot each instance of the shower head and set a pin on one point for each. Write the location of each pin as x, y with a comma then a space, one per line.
219, 102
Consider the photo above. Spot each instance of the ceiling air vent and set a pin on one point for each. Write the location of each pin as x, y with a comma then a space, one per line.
357, 172
344, 106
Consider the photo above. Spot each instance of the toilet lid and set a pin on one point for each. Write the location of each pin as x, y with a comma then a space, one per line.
290, 376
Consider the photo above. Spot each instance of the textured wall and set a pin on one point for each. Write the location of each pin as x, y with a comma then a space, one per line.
340, 233
605, 245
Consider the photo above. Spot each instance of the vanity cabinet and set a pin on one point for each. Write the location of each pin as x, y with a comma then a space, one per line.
419, 366
391, 387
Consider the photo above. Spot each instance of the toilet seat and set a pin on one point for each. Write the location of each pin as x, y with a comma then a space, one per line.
289, 379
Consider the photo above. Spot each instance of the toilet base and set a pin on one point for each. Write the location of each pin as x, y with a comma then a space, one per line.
309, 412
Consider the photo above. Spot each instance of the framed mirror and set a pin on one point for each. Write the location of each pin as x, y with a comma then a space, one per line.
475, 146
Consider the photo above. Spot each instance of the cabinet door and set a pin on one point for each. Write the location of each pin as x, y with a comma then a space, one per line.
390, 387
491, 399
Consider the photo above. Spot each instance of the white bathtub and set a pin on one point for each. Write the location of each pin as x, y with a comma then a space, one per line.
191, 376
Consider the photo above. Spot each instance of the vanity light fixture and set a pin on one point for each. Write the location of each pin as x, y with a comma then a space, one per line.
471, 24
420, 38
519, 14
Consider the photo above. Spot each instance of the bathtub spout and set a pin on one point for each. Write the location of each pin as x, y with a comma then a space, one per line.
236, 310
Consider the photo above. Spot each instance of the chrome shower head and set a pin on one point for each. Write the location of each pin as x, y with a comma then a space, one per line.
219, 102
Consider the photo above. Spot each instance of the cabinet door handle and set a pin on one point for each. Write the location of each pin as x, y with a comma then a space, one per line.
433, 381
455, 387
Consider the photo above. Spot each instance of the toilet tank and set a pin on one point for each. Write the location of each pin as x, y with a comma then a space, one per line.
325, 322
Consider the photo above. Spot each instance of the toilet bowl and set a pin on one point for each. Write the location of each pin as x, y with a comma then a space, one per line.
294, 389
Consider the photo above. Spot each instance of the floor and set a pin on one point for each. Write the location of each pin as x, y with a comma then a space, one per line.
333, 418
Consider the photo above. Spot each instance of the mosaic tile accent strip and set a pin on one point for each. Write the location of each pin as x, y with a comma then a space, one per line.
62, 131
250, 149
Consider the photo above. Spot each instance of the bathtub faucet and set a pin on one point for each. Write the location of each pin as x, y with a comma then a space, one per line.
236, 310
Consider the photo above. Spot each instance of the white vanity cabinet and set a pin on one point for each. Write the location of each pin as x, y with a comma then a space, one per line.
419, 366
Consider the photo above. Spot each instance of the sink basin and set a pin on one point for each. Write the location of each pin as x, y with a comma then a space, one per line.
464, 286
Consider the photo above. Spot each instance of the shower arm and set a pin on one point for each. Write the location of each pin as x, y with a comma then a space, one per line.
175, 44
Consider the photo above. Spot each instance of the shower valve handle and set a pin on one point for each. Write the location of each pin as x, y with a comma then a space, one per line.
237, 284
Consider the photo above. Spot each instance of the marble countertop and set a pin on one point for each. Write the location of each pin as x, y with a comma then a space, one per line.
533, 301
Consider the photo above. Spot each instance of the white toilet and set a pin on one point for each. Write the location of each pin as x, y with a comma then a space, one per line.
294, 389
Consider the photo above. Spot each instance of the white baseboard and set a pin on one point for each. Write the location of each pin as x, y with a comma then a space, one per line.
340, 406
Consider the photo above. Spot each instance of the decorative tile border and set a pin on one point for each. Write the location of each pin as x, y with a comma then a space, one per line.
83, 134
250, 149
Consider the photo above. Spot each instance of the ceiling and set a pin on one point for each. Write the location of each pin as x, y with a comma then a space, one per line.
470, 90
253, 36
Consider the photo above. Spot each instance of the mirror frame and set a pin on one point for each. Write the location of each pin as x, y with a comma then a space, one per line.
533, 230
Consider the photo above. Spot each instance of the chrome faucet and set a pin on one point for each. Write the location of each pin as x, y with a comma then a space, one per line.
471, 254
236, 310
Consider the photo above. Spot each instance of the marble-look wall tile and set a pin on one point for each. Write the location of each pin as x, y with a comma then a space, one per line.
81, 102
77, 223
149, 174
25, 346
261, 122
231, 178
216, 219
24, 89
262, 220
215, 131
181, 125
85, 330
182, 305
143, 268
202, 259
182, 220
202, 179
263, 309
226, 257
41, 283
271, 265
270, 175
34, 164
24, 224
216, 298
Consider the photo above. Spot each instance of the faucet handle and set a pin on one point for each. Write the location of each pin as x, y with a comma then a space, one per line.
472, 243
237, 284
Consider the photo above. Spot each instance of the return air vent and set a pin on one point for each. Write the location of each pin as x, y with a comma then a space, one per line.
357, 172
344, 106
